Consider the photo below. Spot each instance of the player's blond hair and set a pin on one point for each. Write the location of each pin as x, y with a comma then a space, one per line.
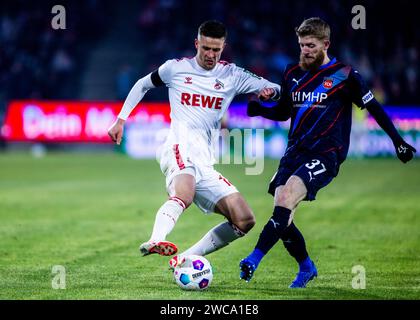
314, 27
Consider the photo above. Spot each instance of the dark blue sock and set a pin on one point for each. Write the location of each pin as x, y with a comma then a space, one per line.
256, 256
274, 229
305, 265
295, 244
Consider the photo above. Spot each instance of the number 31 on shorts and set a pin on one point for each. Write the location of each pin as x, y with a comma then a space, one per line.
317, 165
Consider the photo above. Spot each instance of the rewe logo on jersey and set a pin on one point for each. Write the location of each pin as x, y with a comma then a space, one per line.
199, 100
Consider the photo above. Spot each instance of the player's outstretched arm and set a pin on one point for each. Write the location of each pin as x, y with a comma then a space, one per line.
363, 97
135, 95
267, 94
280, 112
275, 113
116, 131
404, 151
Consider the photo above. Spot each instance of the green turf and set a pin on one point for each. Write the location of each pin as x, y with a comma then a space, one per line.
89, 213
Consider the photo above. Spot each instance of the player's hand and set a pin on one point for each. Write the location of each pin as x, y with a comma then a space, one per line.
266, 94
404, 151
116, 131
253, 108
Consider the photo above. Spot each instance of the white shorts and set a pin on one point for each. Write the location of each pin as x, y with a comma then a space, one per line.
210, 187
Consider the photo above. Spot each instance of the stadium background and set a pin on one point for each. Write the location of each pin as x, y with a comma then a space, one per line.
61, 89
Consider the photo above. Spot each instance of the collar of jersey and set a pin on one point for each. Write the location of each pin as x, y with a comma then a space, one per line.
332, 61
200, 68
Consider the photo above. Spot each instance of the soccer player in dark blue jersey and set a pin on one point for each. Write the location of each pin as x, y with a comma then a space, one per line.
317, 94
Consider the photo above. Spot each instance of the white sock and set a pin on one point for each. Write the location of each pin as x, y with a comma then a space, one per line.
166, 218
218, 237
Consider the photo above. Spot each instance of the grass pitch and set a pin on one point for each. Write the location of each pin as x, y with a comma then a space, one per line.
89, 213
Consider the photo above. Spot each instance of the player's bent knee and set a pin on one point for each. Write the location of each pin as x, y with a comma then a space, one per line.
291, 194
285, 199
245, 224
188, 202
185, 201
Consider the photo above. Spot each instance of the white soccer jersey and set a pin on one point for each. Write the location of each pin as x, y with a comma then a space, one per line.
198, 98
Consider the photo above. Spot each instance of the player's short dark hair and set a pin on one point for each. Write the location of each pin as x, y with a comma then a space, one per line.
315, 27
213, 29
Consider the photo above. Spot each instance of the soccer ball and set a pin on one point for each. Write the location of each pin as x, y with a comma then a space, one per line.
193, 273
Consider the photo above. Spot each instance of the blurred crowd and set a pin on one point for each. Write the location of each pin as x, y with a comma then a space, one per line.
39, 62
261, 38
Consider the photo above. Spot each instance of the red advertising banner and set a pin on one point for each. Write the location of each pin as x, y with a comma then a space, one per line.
72, 121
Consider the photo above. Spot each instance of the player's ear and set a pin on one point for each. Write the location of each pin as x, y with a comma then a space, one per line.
223, 47
326, 44
196, 43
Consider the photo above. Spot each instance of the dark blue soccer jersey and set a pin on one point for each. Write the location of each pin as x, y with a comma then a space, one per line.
320, 105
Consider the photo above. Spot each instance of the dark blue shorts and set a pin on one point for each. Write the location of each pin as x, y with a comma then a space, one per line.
316, 172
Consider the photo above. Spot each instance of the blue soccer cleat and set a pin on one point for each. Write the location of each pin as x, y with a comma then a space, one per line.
303, 277
248, 268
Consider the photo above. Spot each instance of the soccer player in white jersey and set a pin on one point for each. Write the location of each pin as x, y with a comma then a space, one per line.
200, 91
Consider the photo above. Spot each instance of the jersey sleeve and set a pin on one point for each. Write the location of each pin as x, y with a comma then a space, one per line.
359, 91
166, 71
159, 77
248, 82
282, 111
135, 95
364, 99
285, 103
